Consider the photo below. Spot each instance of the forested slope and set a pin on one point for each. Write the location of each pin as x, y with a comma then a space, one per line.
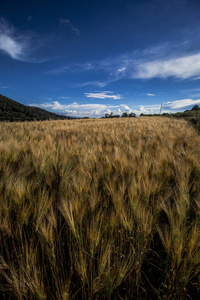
11, 110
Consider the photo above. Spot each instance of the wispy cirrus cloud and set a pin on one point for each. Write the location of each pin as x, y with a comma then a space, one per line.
19, 45
154, 65
179, 104
4, 86
162, 61
70, 25
133, 66
103, 95
12, 43
179, 67
75, 67
97, 83
121, 69
64, 97
191, 90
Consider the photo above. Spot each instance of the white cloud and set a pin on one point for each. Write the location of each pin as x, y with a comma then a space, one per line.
10, 43
55, 105
191, 93
125, 108
153, 62
94, 110
148, 109
95, 83
179, 104
18, 45
169, 107
108, 111
89, 66
119, 111
80, 110
68, 111
69, 24
10, 46
63, 97
103, 95
121, 69
151, 95
76, 109
180, 67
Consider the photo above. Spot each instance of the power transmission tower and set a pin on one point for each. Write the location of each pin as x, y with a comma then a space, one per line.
161, 108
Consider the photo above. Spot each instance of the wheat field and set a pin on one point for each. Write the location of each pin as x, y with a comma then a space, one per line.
100, 209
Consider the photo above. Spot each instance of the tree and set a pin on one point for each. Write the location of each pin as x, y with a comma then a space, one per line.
132, 115
196, 107
124, 115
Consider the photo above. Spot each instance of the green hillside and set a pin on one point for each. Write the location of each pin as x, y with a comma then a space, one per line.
11, 110
192, 116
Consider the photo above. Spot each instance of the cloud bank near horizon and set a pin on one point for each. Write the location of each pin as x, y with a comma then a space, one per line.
98, 110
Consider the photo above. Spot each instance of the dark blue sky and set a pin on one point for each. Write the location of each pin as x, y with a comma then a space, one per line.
86, 58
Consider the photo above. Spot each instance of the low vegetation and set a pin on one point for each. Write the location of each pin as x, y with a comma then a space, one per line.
100, 209
192, 116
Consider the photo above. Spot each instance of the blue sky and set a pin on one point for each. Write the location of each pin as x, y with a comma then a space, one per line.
87, 58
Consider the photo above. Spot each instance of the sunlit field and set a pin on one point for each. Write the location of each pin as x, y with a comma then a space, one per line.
100, 209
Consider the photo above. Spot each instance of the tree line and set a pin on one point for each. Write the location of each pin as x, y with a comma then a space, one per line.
124, 115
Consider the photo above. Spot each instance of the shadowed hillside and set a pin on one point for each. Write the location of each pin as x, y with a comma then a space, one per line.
11, 110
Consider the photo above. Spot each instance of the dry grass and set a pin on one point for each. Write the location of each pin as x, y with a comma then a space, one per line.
100, 209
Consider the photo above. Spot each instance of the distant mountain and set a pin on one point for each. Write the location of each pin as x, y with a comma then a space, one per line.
11, 110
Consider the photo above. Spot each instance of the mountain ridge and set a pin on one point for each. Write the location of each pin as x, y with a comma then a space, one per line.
11, 110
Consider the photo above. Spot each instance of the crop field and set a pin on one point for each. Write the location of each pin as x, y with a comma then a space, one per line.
100, 209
